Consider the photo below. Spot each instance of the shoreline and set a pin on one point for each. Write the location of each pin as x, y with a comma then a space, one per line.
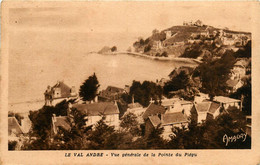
180, 59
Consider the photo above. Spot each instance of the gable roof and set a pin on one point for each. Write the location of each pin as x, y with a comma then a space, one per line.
241, 63
202, 107
214, 107
172, 118
168, 119
65, 89
155, 120
207, 107
96, 109
134, 105
61, 121
153, 109
14, 125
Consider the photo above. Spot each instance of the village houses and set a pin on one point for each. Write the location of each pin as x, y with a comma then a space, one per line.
156, 115
206, 109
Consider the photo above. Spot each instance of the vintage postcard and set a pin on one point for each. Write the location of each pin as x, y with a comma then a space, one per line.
144, 82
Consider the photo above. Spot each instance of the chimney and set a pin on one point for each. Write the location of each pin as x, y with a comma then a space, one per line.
73, 90
160, 116
96, 99
54, 118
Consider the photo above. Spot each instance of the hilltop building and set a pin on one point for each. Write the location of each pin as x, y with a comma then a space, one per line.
191, 23
168, 34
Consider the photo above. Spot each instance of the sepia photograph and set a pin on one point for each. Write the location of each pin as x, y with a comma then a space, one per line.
128, 76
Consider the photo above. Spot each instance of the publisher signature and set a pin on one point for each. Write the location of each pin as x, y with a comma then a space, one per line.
227, 139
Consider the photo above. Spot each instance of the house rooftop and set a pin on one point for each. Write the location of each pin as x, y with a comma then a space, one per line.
65, 89
213, 107
223, 99
155, 120
207, 106
13, 125
61, 121
168, 119
153, 109
96, 109
166, 102
172, 118
203, 106
134, 105
232, 83
114, 89
241, 62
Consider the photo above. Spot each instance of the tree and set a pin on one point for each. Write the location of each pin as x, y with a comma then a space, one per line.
244, 93
75, 138
164, 54
154, 139
88, 90
146, 91
209, 135
147, 48
214, 74
130, 124
178, 82
245, 51
12, 145
100, 136
114, 49
155, 31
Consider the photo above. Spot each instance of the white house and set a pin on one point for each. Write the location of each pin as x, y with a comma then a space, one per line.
96, 111
227, 102
202, 111
177, 105
168, 121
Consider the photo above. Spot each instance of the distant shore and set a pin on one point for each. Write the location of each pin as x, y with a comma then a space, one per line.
170, 58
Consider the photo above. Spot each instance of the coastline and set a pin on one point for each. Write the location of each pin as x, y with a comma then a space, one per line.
180, 59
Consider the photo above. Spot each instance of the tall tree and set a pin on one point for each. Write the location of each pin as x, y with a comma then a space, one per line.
178, 82
130, 124
88, 90
214, 74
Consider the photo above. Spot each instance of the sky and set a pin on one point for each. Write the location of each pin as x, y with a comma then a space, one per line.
96, 24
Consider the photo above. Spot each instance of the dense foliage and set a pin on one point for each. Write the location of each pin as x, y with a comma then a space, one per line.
88, 90
214, 74
146, 91
211, 134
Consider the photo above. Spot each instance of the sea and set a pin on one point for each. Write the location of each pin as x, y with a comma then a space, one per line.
29, 76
